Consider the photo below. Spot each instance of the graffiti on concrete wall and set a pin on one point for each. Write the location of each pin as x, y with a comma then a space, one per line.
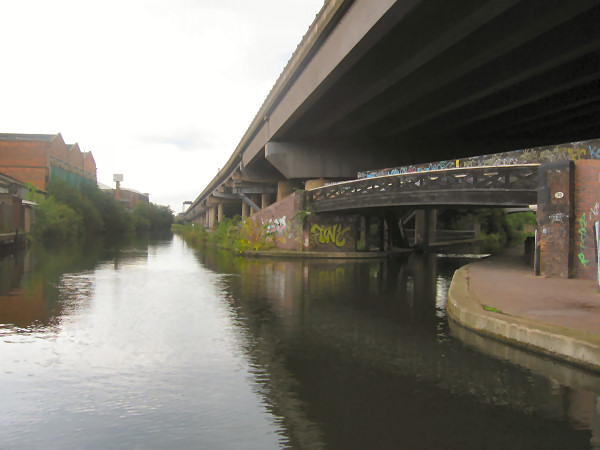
282, 228
587, 218
330, 234
558, 217
276, 225
574, 152
582, 240
413, 168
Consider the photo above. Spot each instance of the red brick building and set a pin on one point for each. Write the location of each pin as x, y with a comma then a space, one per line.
128, 197
39, 158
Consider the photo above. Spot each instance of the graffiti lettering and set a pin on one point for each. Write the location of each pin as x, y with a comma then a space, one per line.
277, 225
595, 211
582, 239
577, 153
573, 151
327, 234
559, 217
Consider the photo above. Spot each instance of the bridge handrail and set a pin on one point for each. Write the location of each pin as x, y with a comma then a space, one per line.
425, 172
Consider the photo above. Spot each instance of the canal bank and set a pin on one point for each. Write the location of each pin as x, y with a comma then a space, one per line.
502, 298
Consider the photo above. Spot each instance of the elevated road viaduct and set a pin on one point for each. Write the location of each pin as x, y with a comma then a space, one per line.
384, 83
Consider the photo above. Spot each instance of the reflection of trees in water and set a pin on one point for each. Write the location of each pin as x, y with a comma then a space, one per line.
338, 338
37, 284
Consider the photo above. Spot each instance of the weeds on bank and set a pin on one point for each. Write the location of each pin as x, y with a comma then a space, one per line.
491, 309
237, 235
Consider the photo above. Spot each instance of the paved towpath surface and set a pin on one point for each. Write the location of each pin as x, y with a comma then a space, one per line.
509, 285
500, 296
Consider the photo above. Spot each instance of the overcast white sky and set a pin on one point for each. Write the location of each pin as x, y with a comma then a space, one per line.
159, 90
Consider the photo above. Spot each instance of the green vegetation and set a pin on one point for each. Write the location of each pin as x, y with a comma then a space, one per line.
237, 235
67, 213
151, 217
498, 229
491, 309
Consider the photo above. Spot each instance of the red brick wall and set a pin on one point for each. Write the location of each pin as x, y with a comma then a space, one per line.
587, 211
280, 218
89, 164
555, 218
26, 161
37, 175
59, 150
76, 157
131, 198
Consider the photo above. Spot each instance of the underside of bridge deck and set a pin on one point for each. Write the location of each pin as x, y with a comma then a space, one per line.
388, 83
434, 80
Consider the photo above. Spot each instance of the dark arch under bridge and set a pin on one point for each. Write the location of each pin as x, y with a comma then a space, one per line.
490, 186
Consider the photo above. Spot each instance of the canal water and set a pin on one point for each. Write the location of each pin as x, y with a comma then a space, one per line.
155, 345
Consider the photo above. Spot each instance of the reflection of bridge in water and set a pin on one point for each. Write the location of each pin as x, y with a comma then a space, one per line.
372, 337
505, 186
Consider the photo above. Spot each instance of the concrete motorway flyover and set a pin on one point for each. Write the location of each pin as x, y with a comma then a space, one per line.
387, 83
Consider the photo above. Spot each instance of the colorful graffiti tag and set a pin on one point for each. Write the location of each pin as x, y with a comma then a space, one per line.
586, 218
276, 225
582, 240
574, 151
330, 234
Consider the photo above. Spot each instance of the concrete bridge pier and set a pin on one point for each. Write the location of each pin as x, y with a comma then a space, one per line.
200, 220
284, 188
245, 210
212, 217
425, 227
257, 199
388, 234
383, 234
265, 200
220, 213
364, 231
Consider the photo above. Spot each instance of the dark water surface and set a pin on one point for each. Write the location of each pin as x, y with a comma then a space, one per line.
156, 345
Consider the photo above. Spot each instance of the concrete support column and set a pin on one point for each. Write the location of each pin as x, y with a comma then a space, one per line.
212, 217
383, 235
362, 231
256, 198
432, 225
313, 184
220, 213
425, 227
284, 188
265, 200
367, 225
420, 229
476, 228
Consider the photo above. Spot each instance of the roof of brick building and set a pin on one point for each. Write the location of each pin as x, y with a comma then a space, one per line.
27, 137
